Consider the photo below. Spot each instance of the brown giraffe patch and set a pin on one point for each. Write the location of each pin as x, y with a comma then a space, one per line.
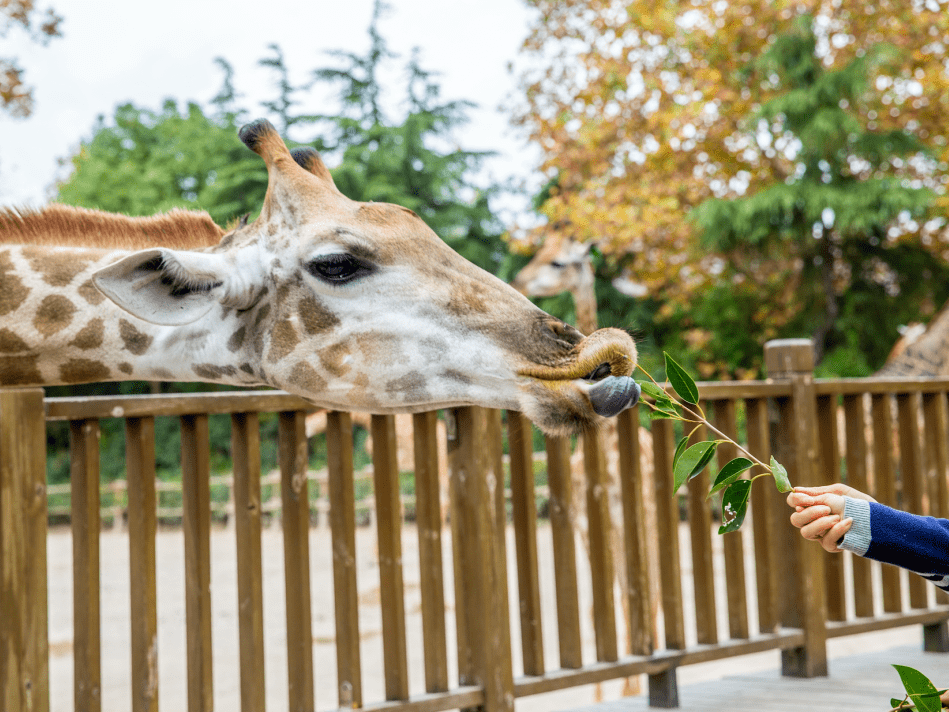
332, 359
247, 368
83, 370
135, 341
12, 290
283, 340
237, 339
360, 392
90, 336
55, 313
10, 343
57, 268
19, 370
125, 367
305, 377
211, 371
315, 316
411, 387
88, 291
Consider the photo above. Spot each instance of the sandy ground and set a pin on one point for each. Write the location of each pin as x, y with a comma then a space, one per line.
171, 621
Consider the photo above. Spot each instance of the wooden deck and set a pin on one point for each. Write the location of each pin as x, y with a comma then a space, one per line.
856, 684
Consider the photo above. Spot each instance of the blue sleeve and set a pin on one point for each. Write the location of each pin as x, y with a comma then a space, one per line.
919, 544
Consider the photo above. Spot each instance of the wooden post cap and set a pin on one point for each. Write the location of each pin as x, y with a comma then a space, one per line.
784, 357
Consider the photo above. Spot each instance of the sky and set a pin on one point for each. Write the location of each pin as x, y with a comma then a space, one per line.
115, 51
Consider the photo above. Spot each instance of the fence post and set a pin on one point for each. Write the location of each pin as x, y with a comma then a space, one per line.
484, 641
795, 446
24, 628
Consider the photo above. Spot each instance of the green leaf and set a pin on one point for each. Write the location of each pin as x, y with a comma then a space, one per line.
665, 408
734, 506
681, 381
896, 704
652, 390
729, 473
680, 448
692, 462
920, 690
781, 480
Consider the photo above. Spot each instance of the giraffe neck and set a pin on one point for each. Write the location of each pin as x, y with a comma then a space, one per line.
584, 299
57, 328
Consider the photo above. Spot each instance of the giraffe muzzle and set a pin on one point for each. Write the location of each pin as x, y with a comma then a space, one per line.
613, 394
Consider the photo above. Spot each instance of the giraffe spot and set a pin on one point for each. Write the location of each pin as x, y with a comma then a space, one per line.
212, 372
314, 316
82, 370
454, 375
237, 339
305, 378
332, 359
163, 374
361, 394
125, 367
19, 370
57, 268
90, 336
283, 340
135, 341
247, 368
54, 314
10, 343
88, 291
12, 290
410, 388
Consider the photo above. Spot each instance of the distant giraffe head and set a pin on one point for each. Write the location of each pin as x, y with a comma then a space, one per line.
564, 264
351, 305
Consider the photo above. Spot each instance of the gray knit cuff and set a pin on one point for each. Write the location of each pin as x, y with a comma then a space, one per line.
857, 539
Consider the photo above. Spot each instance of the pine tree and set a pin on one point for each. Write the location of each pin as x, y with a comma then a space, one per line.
827, 231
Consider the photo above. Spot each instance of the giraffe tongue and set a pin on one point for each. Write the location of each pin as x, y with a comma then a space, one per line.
613, 395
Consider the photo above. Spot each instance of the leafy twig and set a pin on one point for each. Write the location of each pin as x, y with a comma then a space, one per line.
689, 461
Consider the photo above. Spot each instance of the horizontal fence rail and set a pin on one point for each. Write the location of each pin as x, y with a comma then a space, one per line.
489, 630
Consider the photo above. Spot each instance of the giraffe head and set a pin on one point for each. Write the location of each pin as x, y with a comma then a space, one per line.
361, 306
562, 264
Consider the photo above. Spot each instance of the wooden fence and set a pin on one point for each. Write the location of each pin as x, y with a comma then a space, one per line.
893, 443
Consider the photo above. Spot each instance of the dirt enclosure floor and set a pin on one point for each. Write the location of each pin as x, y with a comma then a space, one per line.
115, 605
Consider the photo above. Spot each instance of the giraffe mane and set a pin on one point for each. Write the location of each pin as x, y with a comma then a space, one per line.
58, 224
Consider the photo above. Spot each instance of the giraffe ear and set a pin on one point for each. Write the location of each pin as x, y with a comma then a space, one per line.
169, 287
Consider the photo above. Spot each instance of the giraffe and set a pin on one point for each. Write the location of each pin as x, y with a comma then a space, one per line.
355, 306
563, 264
922, 351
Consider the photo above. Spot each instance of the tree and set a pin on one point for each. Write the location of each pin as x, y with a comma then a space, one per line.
16, 97
832, 220
150, 161
642, 111
411, 162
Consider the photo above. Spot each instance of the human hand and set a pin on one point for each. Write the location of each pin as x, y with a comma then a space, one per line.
818, 513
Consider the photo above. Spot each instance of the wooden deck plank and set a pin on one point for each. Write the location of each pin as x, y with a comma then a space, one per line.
856, 683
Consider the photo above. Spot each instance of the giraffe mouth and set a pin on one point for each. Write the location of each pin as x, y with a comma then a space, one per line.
600, 367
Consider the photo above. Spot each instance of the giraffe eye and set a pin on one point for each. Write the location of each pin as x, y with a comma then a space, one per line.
338, 269
557, 265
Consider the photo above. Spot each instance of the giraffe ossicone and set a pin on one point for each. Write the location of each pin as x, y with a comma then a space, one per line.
351, 305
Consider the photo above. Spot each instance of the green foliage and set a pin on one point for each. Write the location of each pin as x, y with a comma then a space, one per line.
921, 694
825, 226
689, 461
151, 161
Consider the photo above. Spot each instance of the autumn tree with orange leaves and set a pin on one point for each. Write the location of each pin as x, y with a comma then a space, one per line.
645, 111
16, 97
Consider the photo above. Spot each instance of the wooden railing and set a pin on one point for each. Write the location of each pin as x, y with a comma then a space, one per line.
898, 455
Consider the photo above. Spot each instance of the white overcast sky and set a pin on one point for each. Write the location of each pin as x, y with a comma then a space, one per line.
113, 51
